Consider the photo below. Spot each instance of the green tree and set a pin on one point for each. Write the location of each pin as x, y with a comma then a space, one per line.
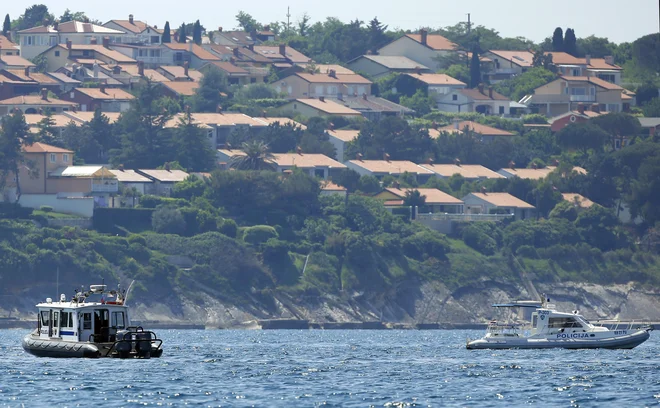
193, 150
475, 69
103, 134
618, 125
34, 16
524, 84
281, 138
14, 134
208, 95
257, 156
565, 209
458, 71
558, 40
303, 25
197, 33
348, 178
181, 34
582, 137
168, 220
377, 35
40, 63
652, 108
189, 188
414, 198
646, 52
570, 42
420, 102
543, 60
167, 35
6, 26
597, 47
46, 132
247, 22
77, 16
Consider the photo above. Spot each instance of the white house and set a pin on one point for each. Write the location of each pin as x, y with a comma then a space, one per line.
377, 66
339, 138
314, 164
137, 32
487, 203
423, 48
480, 100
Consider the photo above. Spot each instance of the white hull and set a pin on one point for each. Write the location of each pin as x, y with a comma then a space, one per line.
626, 341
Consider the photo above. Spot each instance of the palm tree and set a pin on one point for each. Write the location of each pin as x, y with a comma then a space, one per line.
257, 156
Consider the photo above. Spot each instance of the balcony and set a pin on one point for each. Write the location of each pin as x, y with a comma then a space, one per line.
105, 187
582, 98
463, 217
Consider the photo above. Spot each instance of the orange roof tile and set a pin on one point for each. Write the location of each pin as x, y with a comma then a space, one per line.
338, 78
101, 50
273, 52
229, 68
59, 120
72, 27
135, 27
433, 195
330, 186
179, 72
301, 160
520, 58
84, 117
600, 63
185, 88
434, 41
328, 107
436, 79
501, 200
345, 135
582, 201
281, 121
198, 51
475, 127
480, 96
39, 147
529, 174
468, 171
5, 43
15, 61
594, 80
325, 68
36, 100
562, 58
390, 166
108, 94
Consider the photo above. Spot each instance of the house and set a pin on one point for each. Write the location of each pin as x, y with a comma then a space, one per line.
318, 107
469, 172
435, 200
312, 85
103, 98
96, 181
235, 75
652, 125
239, 55
602, 68
394, 168
35, 103
130, 179
566, 92
163, 180
481, 100
437, 85
577, 200
373, 108
484, 132
507, 64
319, 68
15, 62
423, 48
178, 53
282, 121
180, 73
314, 164
378, 66
36, 40
66, 83
151, 55
328, 188
339, 139
498, 203
179, 90
232, 38
220, 125
136, 31
92, 75
534, 173
16, 82
282, 55
8, 47
87, 55
581, 115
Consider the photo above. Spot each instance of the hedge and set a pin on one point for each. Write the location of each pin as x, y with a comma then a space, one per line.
13, 210
107, 219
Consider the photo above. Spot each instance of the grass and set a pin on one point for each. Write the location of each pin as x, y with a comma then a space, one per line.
51, 214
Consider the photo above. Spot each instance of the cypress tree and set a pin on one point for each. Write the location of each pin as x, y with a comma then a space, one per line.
570, 42
197, 33
6, 26
558, 40
167, 36
475, 69
182, 33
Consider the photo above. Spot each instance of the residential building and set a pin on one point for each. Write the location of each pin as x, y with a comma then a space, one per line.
36, 40
565, 93
581, 115
220, 125
507, 64
179, 89
103, 98
163, 180
319, 68
130, 179
652, 125
315, 165
35, 104
87, 55
339, 139
479, 99
603, 68
328, 188
469, 172
179, 53
311, 85
394, 168
495, 203
318, 107
65, 82
86, 75
180, 73
235, 75
484, 132
534, 173
424, 48
17, 82
15, 62
577, 200
282, 55
151, 55
435, 200
378, 66
373, 108
232, 38
8, 47
437, 84
136, 31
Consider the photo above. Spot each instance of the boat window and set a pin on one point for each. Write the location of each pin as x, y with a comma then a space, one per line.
87, 321
118, 320
65, 320
535, 319
45, 317
563, 322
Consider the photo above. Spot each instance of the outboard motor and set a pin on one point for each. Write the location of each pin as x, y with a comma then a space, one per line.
123, 346
143, 344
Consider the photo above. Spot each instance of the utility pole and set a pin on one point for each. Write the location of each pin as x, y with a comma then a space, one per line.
469, 24
288, 19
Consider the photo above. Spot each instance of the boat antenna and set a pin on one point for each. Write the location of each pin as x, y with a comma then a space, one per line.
57, 282
128, 291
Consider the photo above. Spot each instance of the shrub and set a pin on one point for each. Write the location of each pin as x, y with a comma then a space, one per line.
228, 228
168, 220
109, 219
152, 201
259, 234
14, 210
46, 208
426, 244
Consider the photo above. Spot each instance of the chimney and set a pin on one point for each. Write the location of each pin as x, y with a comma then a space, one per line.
364, 96
116, 70
141, 68
512, 164
283, 49
74, 108
332, 73
434, 125
68, 44
331, 126
588, 59
93, 41
167, 166
186, 65
102, 87
130, 18
490, 92
418, 70
609, 60
424, 34
395, 184
121, 167
581, 108
429, 161
106, 42
44, 94
595, 108
251, 47
299, 150
95, 69
236, 52
358, 156
322, 98
457, 161
27, 72
218, 109
55, 25
190, 47
483, 190
535, 166
481, 89
386, 157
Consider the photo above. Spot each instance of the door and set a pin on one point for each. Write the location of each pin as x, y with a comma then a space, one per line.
101, 325
55, 321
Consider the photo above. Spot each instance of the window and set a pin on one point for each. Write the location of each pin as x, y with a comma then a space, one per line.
45, 317
155, 39
65, 158
501, 110
85, 53
454, 97
117, 321
57, 53
612, 107
563, 322
254, 81
87, 321
320, 173
576, 72
53, 158
65, 320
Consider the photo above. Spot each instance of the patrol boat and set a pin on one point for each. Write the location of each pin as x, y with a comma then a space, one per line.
93, 324
553, 329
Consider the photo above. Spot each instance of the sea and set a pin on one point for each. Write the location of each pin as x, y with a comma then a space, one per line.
333, 368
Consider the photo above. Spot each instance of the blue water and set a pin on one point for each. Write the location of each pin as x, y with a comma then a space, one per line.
334, 369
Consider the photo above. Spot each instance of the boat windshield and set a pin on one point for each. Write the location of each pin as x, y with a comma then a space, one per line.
563, 322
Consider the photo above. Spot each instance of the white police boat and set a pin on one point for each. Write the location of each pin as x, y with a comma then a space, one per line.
552, 329
93, 324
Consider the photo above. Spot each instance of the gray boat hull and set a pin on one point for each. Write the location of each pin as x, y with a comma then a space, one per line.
620, 342
59, 348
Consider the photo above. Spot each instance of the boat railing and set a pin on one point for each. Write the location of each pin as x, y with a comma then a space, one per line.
503, 329
623, 325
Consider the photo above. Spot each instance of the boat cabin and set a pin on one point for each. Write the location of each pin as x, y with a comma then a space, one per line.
549, 321
83, 320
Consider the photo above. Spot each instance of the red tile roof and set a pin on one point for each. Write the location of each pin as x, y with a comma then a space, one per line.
433, 195
35, 100
520, 58
562, 58
481, 96
198, 51
229, 68
135, 27
15, 61
108, 94
72, 27
338, 78
39, 147
436, 79
594, 80
434, 41
273, 52
475, 127
329, 107
185, 88
5, 43
502, 200
600, 63
101, 50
